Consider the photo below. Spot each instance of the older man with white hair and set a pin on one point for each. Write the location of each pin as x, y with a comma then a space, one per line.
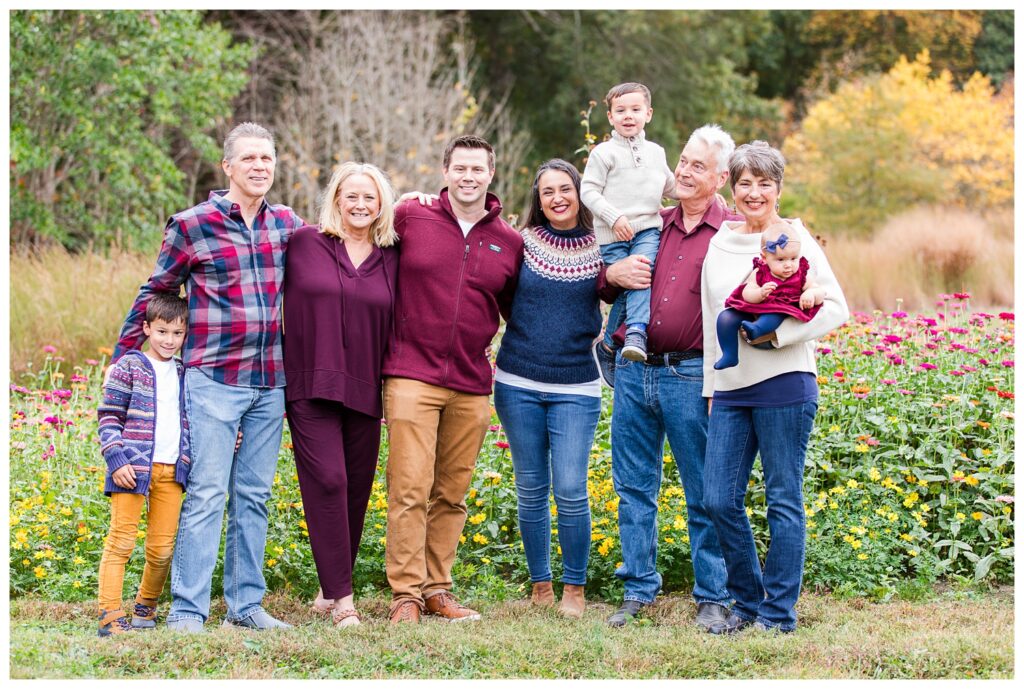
662, 396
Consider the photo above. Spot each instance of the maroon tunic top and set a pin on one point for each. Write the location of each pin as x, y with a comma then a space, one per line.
337, 320
676, 324
784, 299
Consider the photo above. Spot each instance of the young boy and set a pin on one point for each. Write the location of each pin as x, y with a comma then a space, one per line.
623, 184
144, 439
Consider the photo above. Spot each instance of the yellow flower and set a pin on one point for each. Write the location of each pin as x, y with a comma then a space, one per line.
480, 538
971, 481
834, 429
961, 516
862, 556
906, 537
855, 543
462, 538
40, 572
79, 560
977, 516
77, 584
472, 493
271, 562
485, 560
477, 518
852, 483
279, 550
26, 562
912, 553
861, 447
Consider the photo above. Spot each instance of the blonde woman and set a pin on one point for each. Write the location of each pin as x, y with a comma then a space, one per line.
339, 295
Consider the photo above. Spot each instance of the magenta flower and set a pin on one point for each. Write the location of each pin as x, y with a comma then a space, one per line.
502, 444
824, 350
906, 392
983, 362
896, 360
494, 427
893, 339
898, 315
962, 295
956, 373
958, 331
1008, 364
49, 349
1006, 315
867, 352
927, 366
888, 381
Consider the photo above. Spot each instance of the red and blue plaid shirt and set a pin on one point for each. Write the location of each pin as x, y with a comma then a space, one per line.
232, 277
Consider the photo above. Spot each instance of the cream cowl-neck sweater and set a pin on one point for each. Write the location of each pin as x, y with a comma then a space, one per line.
728, 263
625, 177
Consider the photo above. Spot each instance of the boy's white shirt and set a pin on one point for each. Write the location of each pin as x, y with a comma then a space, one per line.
167, 437
625, 177
727, 264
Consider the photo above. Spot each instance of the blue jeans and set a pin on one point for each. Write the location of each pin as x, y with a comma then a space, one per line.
780, 434
650, 403
550, 436
216, 413
634, 305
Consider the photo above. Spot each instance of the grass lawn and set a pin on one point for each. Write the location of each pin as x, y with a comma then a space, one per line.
953, 634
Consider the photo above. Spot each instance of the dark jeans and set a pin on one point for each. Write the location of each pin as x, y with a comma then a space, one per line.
735, 436
335, 457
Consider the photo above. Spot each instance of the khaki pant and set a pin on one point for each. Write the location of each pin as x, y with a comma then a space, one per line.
435, 435
125, 511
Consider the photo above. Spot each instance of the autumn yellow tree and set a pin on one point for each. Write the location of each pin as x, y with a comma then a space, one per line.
884, 143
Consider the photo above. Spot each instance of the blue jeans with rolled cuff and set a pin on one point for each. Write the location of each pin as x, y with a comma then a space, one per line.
634, 305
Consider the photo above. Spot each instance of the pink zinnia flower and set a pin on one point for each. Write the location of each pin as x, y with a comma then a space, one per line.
888, 381
956, 373
1008, 364
906, 392
927, 366
962, 295
898, 314
1006, 315
49, 349
1008, 499
502, 444
867, 352
494, 427
893, 339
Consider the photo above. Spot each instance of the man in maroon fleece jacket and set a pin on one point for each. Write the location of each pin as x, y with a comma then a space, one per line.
459, 262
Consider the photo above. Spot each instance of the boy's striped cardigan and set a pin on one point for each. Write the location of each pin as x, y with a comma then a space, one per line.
128, 422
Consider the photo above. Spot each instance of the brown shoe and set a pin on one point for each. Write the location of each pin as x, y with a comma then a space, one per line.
543, 595
573, 602
405, 610
444, 605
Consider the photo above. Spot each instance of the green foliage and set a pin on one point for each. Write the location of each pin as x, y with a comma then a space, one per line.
556, 61
993, 51
107, 109
909, 477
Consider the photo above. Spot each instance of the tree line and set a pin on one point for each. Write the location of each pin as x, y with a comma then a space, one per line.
116, 116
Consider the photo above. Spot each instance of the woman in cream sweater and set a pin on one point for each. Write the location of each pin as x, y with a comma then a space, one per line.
765, 405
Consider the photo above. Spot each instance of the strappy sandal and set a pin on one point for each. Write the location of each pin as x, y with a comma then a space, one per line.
338, 616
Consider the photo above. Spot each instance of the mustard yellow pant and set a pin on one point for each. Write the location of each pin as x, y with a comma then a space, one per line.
125, 512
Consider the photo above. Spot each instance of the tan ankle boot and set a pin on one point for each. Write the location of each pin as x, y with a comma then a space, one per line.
543, 595
573, 602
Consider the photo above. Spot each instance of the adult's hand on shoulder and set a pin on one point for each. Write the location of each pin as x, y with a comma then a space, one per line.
421, 198
632, 272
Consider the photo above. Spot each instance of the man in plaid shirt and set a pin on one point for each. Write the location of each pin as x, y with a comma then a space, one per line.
229, 252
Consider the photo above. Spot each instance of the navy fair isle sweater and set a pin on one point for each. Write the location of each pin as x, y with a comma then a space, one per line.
555, 313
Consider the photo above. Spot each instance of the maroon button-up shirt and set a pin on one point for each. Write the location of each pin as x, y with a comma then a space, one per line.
676, 324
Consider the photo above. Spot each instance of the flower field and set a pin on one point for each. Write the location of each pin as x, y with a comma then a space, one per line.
909, 477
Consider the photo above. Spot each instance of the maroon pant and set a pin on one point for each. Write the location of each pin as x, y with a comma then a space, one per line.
336, 457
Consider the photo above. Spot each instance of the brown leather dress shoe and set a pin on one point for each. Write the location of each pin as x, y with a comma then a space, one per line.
444, 605
573, 603
406, 610
543, 595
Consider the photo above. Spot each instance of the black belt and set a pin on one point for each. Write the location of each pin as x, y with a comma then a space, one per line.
673, 358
